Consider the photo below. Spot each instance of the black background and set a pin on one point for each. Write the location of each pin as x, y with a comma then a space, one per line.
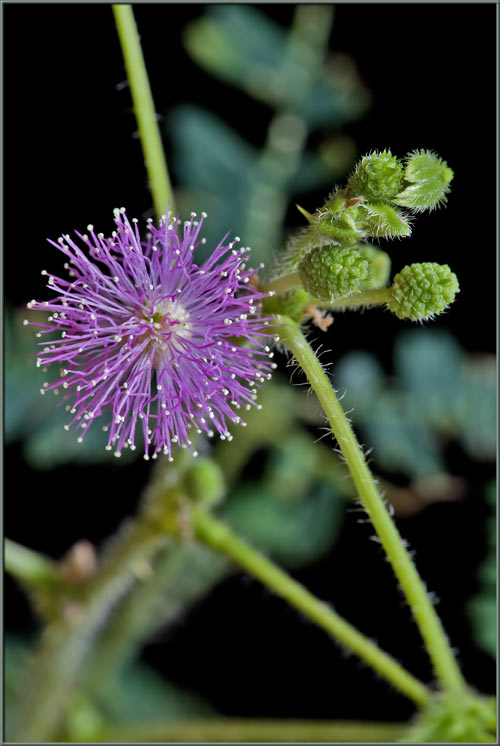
70, 157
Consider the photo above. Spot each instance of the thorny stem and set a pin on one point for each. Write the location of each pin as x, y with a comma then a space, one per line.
215, 534
144, 108
430, 626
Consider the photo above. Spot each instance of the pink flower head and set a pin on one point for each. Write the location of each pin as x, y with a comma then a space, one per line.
150, 338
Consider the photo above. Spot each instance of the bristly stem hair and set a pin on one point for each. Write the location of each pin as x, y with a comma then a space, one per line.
436, 641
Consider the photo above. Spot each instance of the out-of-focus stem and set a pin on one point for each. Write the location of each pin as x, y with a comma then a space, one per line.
30, 568
255, 731
65, 641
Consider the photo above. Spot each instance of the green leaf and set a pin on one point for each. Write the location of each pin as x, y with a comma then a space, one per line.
401, 438
140, 696
215, 166
294, 532
50, 445
239, 45
16, 656
457, 394
25, 408
329, 164
362, 377
483, 606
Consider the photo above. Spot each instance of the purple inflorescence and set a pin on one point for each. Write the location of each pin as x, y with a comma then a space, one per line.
153, 339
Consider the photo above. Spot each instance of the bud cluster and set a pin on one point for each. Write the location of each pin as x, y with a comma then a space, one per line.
331, 255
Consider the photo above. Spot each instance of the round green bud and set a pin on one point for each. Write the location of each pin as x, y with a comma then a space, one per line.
332, 272
378, 177
379, 267
204, 482
291, 303
420, 291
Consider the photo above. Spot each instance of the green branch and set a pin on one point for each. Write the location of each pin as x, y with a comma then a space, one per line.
215, 534
430, 626
149, 132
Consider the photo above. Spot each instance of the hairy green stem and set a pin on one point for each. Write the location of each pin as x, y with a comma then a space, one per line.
282, 284
258, 731
213, 533
365, 299
149, 132
430, 626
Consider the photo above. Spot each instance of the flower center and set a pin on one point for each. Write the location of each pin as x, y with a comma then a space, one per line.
170, 322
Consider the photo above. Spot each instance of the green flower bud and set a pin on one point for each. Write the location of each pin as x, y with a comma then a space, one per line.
338, 222
290, 303
204, 482
429, 180
332, 272
379, 267
378, 177
421, 291
384, 220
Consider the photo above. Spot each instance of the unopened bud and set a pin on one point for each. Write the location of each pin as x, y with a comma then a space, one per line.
332, 272
205, 483
378, 177
428, 178
420, 291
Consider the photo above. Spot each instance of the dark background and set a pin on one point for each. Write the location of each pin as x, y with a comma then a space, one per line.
70, 157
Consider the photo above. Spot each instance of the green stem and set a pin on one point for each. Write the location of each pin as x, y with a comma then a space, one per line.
149, 132
430, 626
282, 284
217, 535
365, 299
258, 731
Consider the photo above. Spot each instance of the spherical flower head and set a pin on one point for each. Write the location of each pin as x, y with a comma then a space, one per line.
152, 339
378, 177
420, 291
331, 272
